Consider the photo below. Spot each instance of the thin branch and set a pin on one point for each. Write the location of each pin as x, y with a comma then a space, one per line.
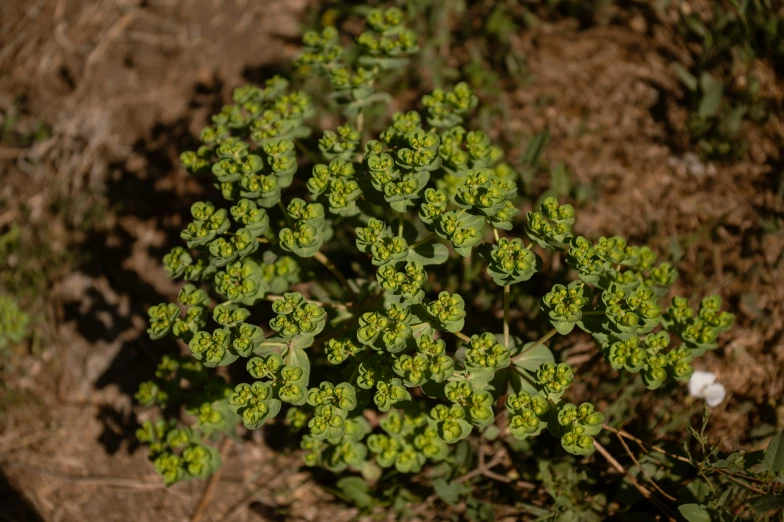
209, 490
748, 486
424, 240
462, 336
324, 260
657, 449
506, 314
542, 340
645, 492
647, 476
97, 480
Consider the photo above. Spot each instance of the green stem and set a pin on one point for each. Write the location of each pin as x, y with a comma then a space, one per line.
324, 260
285, 214
495, 233
424, 240
462, 336
400, 225
304, 150
507, 292
523, 375
541, 340
360, 121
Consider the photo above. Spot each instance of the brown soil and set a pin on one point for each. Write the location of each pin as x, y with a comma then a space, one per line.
126, 85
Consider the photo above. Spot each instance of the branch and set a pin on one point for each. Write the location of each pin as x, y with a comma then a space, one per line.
645, 492
657, 449
324, 260
542, 340
209, 490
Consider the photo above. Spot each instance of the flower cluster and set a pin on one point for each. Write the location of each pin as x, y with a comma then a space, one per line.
551, 227
407, 443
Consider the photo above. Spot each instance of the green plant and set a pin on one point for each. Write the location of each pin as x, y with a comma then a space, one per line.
386, 338
731, 37
13, 322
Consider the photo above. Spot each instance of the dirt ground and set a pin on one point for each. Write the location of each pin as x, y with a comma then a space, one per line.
124, 86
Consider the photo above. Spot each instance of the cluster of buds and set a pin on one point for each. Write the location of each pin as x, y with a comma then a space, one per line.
464, 230
511, 262
255, 403
340, 144
297, 317
554, 379
440, 365
526, 414
552, 226
630, 313
447, 311
407, 443
564, 305
484, 351
447, 109
406, 283
207, 224
485, 194
338, 350
699, 331
241, 282
337, 184
389, 330
386, 43
178, 454
578, 425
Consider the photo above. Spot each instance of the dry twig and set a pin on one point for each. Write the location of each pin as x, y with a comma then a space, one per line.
209, 489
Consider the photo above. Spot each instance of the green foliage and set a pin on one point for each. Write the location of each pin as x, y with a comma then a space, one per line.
732, 33
420, 194
13, 322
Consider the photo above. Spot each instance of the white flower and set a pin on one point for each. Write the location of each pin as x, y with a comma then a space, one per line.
703, 385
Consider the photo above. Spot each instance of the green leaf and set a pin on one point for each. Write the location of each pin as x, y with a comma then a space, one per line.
356, 490
430, 253
449, 492
536, 146
712, 95
694, 513
765, 503
533, 359
688, 79
295, 356
774, 454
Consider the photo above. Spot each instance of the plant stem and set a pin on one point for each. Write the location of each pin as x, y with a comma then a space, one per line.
462, 336
424, 240
507, 295
285, 213
542, 340
324, 260
209, 490
360, 121
400, 226
304, 150
519, 372
626, 434
495, 233
645, 492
